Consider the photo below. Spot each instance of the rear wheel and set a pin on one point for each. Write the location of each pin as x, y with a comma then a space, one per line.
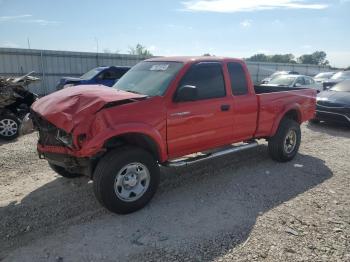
9, 127
63, 172
314, 121
284, 145
126, 179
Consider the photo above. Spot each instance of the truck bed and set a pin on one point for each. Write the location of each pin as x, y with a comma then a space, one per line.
273, 89
274, 102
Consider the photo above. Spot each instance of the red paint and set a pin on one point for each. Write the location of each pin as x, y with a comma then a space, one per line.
79, 110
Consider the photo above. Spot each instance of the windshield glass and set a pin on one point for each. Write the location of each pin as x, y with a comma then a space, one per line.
149, 78
342, 75
278, 73
283, 80
90, 74
324, 75
342, 87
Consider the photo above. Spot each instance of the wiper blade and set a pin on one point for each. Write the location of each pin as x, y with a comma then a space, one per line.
134, 92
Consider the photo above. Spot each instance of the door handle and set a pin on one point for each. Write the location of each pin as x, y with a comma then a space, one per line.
225, 107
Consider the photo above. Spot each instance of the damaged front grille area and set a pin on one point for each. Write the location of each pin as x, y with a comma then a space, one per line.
47, 131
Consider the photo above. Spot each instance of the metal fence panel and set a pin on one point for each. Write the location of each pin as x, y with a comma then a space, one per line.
50, 66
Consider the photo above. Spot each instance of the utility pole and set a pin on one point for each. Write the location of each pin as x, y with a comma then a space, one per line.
97, 51
28, 41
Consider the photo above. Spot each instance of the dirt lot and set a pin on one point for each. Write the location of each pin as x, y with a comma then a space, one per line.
243, 207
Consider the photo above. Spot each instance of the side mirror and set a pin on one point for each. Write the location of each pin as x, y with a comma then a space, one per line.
297, 85
186, 93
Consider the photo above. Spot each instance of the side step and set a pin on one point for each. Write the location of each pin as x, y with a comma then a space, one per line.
191, 160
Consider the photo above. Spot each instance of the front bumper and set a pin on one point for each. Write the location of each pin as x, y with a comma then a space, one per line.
332, 116
61, 157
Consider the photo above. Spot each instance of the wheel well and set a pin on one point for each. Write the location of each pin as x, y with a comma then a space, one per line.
135, 139
293, 115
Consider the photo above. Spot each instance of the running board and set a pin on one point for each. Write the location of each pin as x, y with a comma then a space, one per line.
189, 161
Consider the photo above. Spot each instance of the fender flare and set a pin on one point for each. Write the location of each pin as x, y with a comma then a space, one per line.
293, 107
130, 128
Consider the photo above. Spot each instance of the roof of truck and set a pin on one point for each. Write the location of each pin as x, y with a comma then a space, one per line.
186, 59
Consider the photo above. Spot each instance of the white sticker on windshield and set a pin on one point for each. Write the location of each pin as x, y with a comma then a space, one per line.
161, 67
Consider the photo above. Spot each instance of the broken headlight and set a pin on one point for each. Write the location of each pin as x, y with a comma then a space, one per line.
65, 138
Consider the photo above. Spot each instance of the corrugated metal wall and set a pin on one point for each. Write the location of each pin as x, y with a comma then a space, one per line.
50, 66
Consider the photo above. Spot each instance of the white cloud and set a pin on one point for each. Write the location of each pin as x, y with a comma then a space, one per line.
231, 6
40, 21
26, 18
246, 23
13, 17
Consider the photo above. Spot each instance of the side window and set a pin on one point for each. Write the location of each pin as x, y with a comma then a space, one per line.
238, 78
208, 78
309, 81
112, 74
300, 80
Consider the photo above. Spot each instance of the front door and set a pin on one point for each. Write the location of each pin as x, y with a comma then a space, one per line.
206, 122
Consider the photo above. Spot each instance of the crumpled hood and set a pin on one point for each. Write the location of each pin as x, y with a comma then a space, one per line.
70, 106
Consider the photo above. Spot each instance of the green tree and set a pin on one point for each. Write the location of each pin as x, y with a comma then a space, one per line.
139, 50
316, 58
258, 58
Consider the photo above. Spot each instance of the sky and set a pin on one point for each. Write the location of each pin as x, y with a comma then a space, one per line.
181, 27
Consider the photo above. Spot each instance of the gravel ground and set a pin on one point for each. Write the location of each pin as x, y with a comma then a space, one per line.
243, 207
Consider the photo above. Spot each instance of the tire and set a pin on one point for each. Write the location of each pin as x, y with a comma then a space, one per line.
284, 145
126, 179
9, 127
314, 121
63, 172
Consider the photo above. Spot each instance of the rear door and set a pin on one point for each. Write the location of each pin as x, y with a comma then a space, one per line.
245, 105
206, 122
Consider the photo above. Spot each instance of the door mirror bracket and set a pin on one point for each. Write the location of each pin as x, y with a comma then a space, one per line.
186, 93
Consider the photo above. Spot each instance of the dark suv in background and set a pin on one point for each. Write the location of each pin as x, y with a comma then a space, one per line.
104, 75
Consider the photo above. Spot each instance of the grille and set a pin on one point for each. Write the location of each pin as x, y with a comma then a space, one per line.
47, 131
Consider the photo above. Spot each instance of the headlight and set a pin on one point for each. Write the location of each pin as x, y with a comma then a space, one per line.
65, 138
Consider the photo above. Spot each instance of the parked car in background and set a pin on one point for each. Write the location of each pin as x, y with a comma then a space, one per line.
104, 75
294, 81
321, 77
278, 73
335, 79
333, 105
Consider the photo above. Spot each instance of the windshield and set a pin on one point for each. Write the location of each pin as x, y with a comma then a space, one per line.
149, 78
90, 74
324, 75
283, 80
278, 73
342, 87
341, 75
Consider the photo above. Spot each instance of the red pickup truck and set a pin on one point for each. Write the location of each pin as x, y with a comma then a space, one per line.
165, 111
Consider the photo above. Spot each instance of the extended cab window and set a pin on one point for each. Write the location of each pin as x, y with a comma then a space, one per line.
238, 78
208, 78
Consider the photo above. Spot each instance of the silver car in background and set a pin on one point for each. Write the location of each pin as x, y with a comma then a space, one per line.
321, 77
301, 81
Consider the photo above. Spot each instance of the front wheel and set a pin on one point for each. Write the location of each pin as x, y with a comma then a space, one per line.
126, 179
9, 127
284, 145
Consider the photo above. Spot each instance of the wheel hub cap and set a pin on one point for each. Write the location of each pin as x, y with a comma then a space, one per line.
131, 182
8, 127
290, 141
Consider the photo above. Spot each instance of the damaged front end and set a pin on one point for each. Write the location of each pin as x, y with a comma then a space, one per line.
56, 146
64, 121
